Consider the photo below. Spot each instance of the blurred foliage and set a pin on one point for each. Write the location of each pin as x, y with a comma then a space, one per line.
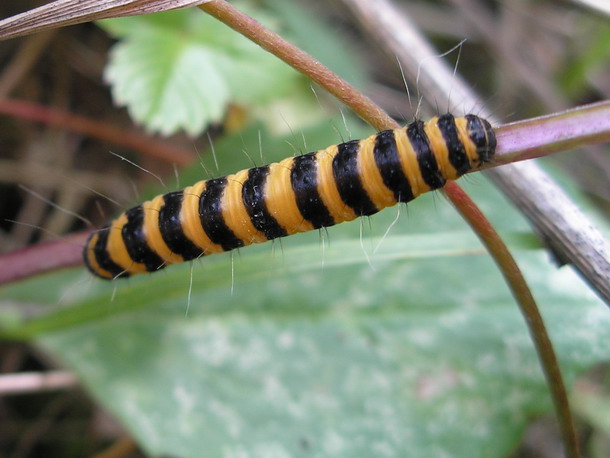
595, 59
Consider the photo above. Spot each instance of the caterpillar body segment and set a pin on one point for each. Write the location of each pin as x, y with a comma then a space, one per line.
298, 194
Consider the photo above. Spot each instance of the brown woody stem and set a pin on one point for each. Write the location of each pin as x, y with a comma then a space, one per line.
374, 115
156, 148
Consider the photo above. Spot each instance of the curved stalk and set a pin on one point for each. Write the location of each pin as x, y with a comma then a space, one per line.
371, 113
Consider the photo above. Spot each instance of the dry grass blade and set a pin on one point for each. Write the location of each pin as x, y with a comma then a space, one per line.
61, 13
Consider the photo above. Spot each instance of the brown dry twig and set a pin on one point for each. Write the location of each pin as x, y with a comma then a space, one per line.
146, 145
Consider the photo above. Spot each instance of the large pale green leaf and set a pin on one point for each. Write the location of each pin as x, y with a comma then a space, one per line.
404, 345
335, 363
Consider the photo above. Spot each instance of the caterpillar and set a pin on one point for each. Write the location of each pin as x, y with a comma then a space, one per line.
298, 194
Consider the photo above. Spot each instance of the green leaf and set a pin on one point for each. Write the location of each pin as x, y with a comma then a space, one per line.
359, 343
166, 84
180, 70
590, 58
337, 357
257, 145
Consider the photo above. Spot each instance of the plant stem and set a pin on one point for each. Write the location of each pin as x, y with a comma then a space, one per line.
43, 257
375, 116
537, 137
566, 230
527, 304
156, 148
301, 61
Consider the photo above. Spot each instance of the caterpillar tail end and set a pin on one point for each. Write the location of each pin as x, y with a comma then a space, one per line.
92, 260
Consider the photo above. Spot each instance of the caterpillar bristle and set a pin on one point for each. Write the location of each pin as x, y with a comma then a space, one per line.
311, 191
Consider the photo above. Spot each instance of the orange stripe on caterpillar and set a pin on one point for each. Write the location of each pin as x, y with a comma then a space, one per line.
319, 189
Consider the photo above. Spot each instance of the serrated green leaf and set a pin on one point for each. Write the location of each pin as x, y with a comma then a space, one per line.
165, 83
181, 69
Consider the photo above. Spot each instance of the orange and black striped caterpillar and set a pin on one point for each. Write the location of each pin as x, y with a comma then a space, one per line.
298, 194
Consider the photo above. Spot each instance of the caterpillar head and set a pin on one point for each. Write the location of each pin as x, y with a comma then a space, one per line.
483, 136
